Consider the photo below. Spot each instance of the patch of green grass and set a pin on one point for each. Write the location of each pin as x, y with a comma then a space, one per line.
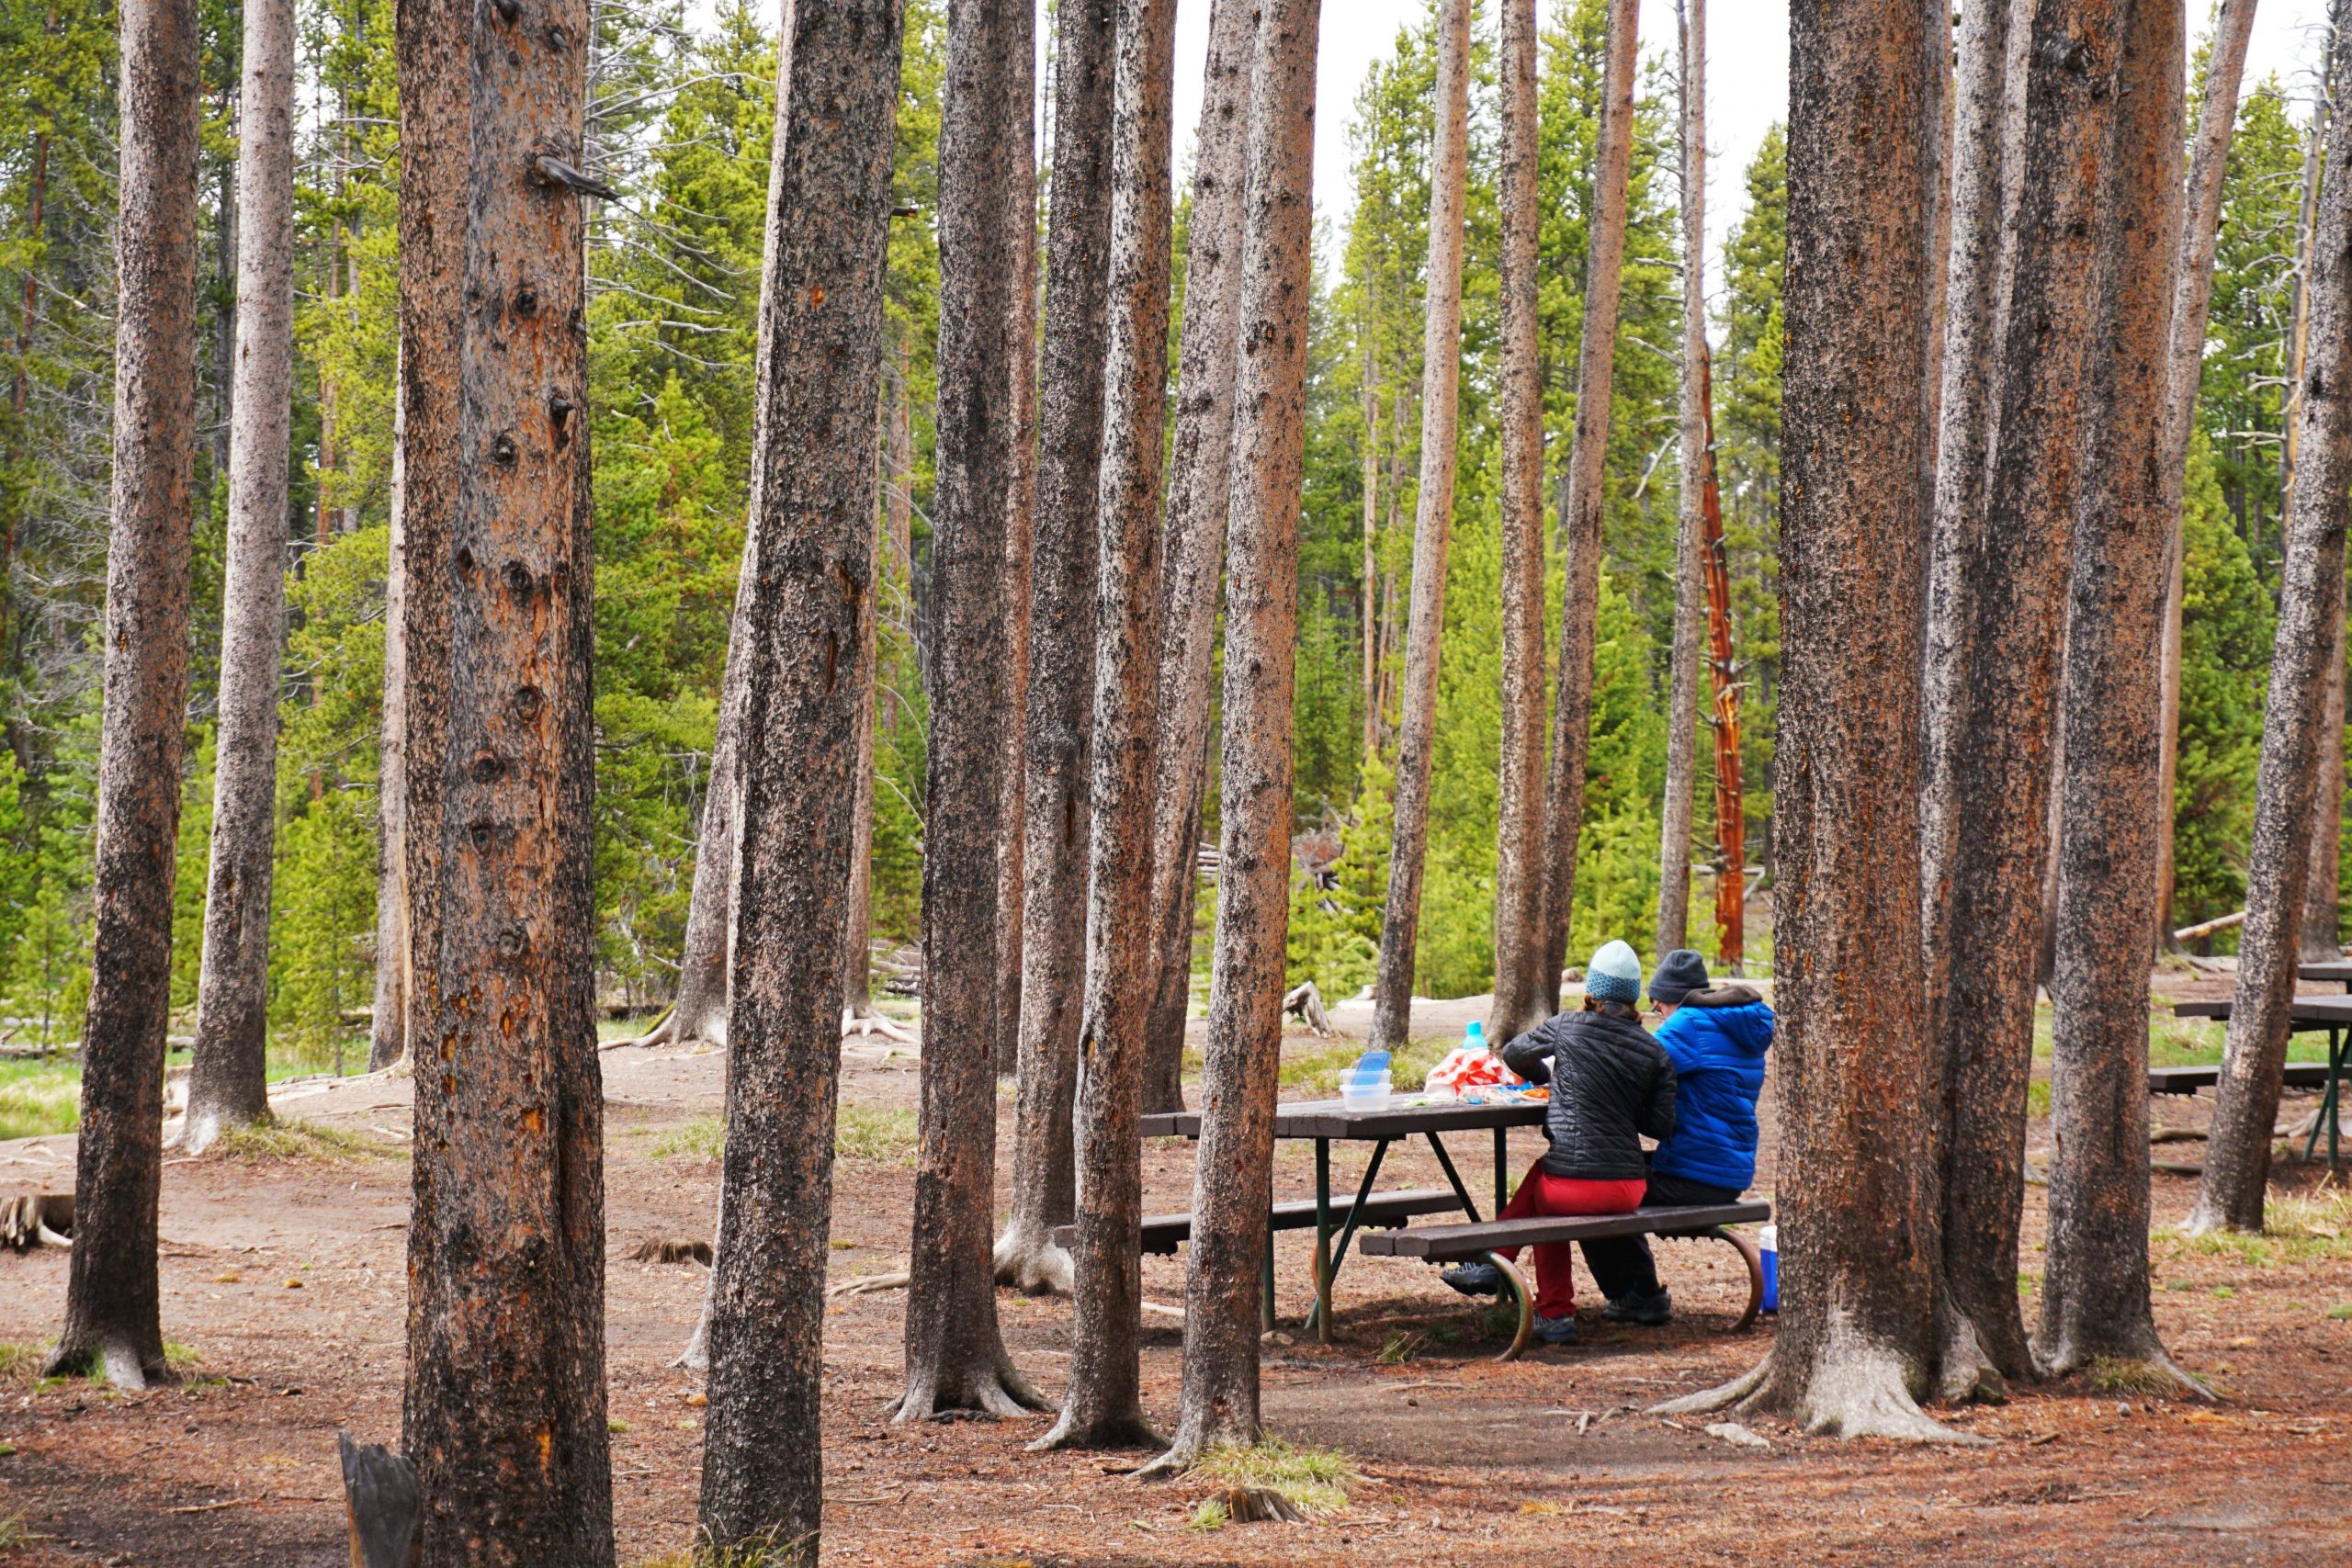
2224, 1293
2037, 1097
12, 1530
616, 1426
755, 1555
1400, 1348
20, 1362
1209, 1516
2341, 1312
2178, 1285
2110, 1375
860, 1132
1319, 1068
39, 1096
287, 1138
1315, 1480
184, 1360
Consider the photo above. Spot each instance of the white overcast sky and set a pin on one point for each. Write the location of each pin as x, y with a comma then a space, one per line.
1747, 88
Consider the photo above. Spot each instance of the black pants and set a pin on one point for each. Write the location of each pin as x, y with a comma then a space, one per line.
1622, 1265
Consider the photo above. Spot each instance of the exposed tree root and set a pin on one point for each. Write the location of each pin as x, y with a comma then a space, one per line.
664, 1029
1196, 1434
124, 1365
1855, 1389
1120, 1432
856, 1024
1964, 1373
1027, 1260
2144, 1350
867, 1285
999, 1389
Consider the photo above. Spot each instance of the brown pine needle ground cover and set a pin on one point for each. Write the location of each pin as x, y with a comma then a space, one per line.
284, 1283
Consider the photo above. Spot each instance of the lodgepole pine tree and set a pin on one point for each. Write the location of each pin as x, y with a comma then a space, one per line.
1103, 1406
1060, 708
1997, 620
2310, 611
808, 675
113, 1321
1519, 861
228, 1080
1233, 1178
1020, 530
1192, 558
1689, 567
1432, 528
1580, 491
2094, 1292
507, 1231
2217, 119
955, 1357
388, 1020
1857, 1309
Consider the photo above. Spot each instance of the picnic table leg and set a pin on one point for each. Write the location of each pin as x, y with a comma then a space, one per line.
1322, 1314
1502, 1170
1266, 1284
2328, 1101
1348, 1226
1453, 1177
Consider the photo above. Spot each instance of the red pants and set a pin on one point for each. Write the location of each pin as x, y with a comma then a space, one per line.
1541, 1193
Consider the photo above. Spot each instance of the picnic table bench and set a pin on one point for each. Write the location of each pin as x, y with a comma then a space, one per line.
2309, 1015
1453, 1243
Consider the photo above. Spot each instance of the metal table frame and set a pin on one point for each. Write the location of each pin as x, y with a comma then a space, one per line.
1327, 1122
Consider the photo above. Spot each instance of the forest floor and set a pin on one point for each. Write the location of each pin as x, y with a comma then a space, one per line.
284, 1294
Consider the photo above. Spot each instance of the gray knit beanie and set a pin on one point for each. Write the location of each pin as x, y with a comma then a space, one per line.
1614, 975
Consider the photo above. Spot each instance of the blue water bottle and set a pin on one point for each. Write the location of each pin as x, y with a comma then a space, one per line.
1768, 1246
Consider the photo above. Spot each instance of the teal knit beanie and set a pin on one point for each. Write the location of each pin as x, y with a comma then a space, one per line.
1614, 975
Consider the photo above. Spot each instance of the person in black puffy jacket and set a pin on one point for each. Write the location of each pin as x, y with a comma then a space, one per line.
1611, 1086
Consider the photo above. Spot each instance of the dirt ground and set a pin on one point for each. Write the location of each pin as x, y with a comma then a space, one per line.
284, 1282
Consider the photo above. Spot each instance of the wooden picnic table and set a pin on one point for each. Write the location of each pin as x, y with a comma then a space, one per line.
2309, 1015
1407, 1116
2333, 971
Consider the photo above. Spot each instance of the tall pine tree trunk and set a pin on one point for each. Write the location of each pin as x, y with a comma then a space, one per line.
228, 1083
506, 1233
2321, 939
1193, 556
112, 1306
1689, 567
808, 694
1432, 528
1854, 1342
1057, 753
1519, 861
1996, 622
955, 1357
2217, 119
700, 1012
1581, 491
2310, 614
1103, 1405
1020, 551
2095, 1286
388, 1020
1233, 1172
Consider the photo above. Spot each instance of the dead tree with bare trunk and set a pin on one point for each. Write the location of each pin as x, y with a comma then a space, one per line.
2311, 611
2217, 119
1519, 861
1234, 1172
1689, 567
1582, 491
113, 1307
1855, 1345
2095, 1288
1058, 753
1192, 558
808, 693
1103, 1407
1432, 528
955, 1357
1996, 626
228, 1079
507, 1231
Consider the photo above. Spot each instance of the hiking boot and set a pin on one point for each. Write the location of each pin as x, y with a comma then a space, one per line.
1557, 1331
1650, 1312
1474, 1278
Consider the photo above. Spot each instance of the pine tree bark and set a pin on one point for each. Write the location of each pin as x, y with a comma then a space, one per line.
1690, 568
1057, 753
808, 706
113, 1321
1581, 491
1233, 1173
2321, 937
1854, 1342
228, 1081
1519, 860
1192, 557
388, 1021
2311, 612
1432, 528
506, 1234
1997, 618
955, 1357
2095, 1295
1103, 1407
2217, 119
1368, 581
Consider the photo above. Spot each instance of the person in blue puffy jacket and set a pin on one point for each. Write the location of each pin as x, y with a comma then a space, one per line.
1716, 1038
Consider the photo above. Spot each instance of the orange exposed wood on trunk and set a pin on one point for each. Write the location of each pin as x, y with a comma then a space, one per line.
1731, 820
